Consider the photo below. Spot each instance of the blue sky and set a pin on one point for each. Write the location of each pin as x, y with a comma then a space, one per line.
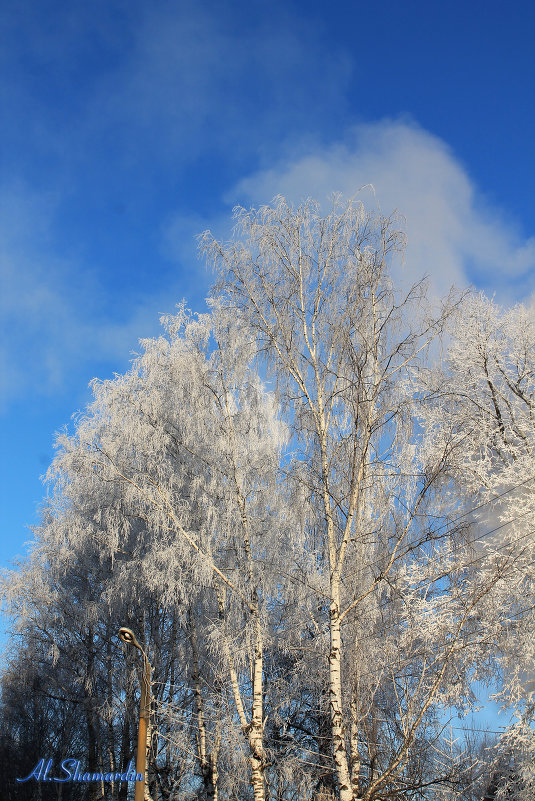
129, 127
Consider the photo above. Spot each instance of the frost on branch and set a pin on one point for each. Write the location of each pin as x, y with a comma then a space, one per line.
322, 536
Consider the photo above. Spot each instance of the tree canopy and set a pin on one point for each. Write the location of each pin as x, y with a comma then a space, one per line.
321, 533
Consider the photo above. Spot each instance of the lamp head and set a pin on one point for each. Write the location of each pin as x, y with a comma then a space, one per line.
128, 637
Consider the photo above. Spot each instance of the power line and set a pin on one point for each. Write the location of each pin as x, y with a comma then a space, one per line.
462, 565
376, 563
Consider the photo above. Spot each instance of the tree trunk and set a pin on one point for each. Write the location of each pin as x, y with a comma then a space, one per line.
208, 762
257, 726
94, 791
335, 698
254, 729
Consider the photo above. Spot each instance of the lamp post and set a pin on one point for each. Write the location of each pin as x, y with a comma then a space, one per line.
128, 637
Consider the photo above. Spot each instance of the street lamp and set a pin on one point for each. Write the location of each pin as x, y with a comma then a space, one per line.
129, 638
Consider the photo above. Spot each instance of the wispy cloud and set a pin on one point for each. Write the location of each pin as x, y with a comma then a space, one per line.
199, 72
55, 309
136, 88
454, 236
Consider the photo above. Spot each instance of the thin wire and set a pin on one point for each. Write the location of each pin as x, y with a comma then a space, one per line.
364, 674
486, 503
375, 563
476, 559
462, 566
368, 673
461, 638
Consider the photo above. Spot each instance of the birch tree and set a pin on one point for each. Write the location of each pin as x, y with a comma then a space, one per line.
339, 340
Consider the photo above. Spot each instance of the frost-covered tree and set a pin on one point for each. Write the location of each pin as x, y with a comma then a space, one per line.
190, 440
308, 526
482, 401
389, 583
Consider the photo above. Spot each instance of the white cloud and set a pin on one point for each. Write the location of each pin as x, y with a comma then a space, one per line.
453, 236
52, 306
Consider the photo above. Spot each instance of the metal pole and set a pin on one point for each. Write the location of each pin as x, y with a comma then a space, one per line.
128, 637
